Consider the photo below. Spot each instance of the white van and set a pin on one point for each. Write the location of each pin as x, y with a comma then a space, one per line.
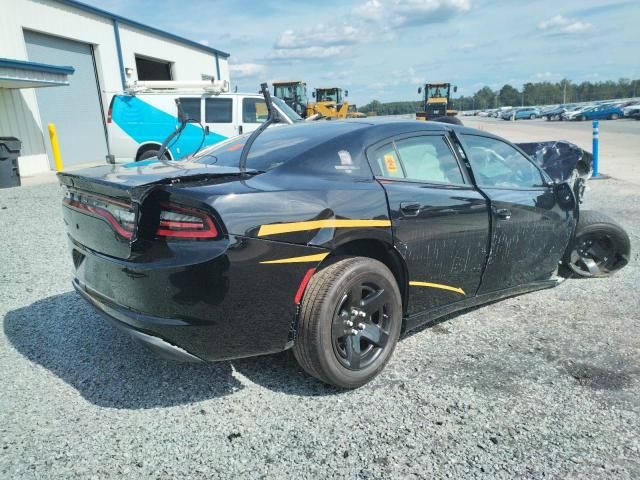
138, 123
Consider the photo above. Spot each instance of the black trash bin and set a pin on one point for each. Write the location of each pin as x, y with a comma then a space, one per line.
9, 152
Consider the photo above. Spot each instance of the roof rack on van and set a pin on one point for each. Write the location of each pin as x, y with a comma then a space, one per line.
210, 86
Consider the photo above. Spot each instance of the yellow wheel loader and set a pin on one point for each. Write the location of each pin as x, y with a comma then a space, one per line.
328, 102
436, 101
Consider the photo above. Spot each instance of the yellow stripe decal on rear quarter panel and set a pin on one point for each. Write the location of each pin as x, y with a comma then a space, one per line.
278, 228
307, 258
437, 285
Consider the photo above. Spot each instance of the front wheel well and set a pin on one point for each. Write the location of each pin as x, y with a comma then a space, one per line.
379, 250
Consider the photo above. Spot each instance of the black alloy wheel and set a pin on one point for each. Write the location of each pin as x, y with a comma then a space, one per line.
360, 329
350, 321
601, 246
592, 254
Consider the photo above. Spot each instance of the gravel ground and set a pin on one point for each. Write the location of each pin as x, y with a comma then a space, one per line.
542, 385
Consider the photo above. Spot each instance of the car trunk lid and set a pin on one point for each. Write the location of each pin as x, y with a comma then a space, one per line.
105, 206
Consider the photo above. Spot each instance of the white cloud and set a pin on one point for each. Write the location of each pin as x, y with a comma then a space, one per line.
306, 53
319, 36
563, 25
318, 42
338, 75
466, 47
405, 13
246, 70
546, 75
372, 10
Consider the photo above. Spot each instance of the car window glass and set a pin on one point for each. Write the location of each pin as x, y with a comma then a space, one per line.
191, 108
387, 162
218, 110
497, 164
429, 159
254, 110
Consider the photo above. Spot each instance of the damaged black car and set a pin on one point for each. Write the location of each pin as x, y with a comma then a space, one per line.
329, 238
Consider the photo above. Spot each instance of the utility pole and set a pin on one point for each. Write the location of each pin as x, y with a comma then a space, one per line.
564, 93
522, 102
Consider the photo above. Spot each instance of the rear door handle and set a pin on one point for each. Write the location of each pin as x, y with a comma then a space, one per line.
410, 209
503, 213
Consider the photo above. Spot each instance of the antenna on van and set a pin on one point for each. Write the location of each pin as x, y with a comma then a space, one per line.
272, 117
184, 120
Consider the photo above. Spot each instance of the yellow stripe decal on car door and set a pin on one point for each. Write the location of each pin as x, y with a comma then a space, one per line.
278, 228
306, 258
437, 285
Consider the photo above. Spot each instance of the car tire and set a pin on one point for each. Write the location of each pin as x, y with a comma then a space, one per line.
600, 246
334, 341
149, 154
582, 118
532, 117
614, 116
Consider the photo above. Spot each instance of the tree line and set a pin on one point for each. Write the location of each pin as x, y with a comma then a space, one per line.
539, 93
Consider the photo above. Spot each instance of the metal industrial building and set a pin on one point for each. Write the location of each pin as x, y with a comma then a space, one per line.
82, 55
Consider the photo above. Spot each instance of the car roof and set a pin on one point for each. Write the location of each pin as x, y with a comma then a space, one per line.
374, 129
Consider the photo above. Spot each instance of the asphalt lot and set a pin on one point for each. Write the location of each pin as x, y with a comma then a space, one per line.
619, 139
545, 385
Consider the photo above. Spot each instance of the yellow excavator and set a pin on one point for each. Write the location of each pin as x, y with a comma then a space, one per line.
328, 102
436, 101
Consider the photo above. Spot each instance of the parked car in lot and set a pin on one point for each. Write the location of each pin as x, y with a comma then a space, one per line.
598, 112
632, 111
137, 123
522, 113
329, 238
556, 112
573, 113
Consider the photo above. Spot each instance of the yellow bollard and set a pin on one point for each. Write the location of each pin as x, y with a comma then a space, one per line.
55, 148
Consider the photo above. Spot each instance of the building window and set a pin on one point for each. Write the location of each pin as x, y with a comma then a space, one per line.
149, 69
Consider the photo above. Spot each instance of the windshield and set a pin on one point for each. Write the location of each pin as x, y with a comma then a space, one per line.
328, 95
287, 110
437, 91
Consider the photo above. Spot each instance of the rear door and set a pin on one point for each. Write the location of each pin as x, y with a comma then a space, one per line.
529, 229
440, 221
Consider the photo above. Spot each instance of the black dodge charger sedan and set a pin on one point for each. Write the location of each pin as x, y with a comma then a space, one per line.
329, 238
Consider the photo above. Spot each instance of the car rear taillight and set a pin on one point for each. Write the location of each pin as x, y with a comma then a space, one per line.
109, 114
119, 215
185, 223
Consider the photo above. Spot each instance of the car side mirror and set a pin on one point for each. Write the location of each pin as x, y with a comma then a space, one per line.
564, 196
313, 94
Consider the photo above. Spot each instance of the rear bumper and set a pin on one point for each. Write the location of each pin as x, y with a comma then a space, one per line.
119, 318
199, 301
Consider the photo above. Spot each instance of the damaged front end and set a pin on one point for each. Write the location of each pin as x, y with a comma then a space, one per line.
564, 162
599, 246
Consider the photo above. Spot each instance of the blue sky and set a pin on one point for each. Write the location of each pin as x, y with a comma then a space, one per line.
383, 49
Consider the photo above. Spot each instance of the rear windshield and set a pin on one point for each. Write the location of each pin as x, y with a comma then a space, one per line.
275, 146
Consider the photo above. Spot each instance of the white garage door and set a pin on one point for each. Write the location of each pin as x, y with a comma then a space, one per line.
75, 110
